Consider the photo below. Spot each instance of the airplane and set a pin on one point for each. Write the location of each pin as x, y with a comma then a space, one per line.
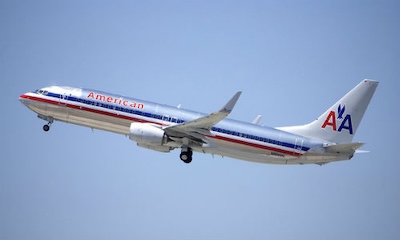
164, 128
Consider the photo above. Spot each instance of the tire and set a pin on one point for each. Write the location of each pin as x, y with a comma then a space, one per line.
46, 128
186, 157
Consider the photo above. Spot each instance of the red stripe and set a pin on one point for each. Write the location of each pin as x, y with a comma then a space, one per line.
144, 121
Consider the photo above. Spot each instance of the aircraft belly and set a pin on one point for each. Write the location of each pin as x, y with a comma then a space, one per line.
81, 117
98, 121
268, 157
248, 153
318, 158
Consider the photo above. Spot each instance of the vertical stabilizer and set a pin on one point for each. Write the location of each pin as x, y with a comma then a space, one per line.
340, 122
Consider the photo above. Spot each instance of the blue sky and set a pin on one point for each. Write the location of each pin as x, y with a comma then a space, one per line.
291, 59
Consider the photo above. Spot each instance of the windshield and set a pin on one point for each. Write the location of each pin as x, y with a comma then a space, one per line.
41, 91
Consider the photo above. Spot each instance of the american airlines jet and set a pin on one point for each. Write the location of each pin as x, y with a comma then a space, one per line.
164, 128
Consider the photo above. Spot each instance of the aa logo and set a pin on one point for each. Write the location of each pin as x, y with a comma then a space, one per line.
332, 121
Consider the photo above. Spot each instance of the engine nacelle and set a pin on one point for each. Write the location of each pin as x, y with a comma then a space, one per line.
148, 136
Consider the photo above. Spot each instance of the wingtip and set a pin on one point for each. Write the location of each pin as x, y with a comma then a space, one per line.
232, 102
370, 81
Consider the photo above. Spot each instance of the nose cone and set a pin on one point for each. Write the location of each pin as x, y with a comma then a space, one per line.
24, 99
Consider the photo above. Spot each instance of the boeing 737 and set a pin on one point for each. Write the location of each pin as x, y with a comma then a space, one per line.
164, 128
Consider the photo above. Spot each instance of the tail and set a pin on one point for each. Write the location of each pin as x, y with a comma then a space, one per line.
340, 122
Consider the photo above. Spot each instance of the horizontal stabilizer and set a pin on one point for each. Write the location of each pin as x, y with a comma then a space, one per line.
362, 151
344, 148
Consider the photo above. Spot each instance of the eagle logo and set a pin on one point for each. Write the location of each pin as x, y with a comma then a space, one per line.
340, 111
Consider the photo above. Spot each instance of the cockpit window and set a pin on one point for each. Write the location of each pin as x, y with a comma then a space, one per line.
43, 92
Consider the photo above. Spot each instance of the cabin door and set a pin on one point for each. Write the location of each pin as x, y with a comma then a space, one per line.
298, 146
63, 99
63, 106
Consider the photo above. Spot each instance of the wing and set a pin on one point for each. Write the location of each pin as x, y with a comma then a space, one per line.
196, 130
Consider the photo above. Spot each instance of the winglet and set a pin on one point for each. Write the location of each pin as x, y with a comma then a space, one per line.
229, 106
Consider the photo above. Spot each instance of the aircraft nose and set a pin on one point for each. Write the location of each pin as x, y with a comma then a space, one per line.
24, 99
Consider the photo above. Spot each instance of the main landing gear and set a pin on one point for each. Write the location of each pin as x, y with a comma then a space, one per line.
186, 155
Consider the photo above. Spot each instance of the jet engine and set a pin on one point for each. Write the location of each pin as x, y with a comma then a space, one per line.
149, 136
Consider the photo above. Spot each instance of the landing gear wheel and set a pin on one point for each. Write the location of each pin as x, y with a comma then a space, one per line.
46, 127
186, 156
